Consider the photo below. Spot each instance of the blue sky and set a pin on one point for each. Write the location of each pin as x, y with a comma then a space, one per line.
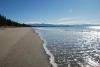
52, 11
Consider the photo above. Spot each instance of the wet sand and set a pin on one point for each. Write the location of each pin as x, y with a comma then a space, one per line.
21, 47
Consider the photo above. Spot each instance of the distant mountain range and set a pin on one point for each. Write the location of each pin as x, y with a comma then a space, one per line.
48, 25
54, 25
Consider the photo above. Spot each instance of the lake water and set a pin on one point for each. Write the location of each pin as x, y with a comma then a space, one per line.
73, 46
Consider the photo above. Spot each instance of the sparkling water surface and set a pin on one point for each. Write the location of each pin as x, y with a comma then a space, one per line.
72, 46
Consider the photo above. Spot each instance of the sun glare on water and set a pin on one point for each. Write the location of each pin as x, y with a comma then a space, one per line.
95, 27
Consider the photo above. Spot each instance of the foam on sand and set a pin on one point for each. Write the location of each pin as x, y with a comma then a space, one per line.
51, 58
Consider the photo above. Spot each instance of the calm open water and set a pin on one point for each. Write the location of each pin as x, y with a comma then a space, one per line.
73, 46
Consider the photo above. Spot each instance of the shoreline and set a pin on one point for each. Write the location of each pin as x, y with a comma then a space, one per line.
43, 43
50, 55
22, 47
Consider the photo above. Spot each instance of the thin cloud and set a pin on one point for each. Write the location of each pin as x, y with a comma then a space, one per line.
34, 22
78, 20
68, 20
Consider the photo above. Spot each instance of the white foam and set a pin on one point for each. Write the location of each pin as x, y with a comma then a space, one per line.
51, 58
92, 63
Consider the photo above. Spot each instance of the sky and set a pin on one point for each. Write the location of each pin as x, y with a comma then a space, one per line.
52, 11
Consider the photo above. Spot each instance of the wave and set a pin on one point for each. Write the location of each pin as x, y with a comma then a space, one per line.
51, 57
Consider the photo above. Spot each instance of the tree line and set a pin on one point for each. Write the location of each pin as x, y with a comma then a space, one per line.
7, 22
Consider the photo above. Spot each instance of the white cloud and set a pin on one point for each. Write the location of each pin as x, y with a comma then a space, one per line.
34, 22
69, 20
77, 20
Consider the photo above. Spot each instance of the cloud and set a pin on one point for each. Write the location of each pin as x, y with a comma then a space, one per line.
77, 20
69, 20
34, 22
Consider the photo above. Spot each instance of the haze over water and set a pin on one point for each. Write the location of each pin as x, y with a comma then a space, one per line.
73, 46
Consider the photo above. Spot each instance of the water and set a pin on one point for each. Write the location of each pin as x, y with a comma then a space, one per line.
73, 46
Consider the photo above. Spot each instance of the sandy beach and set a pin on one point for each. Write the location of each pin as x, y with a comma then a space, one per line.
21, 47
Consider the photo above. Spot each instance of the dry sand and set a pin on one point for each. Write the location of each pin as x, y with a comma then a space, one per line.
21, 47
